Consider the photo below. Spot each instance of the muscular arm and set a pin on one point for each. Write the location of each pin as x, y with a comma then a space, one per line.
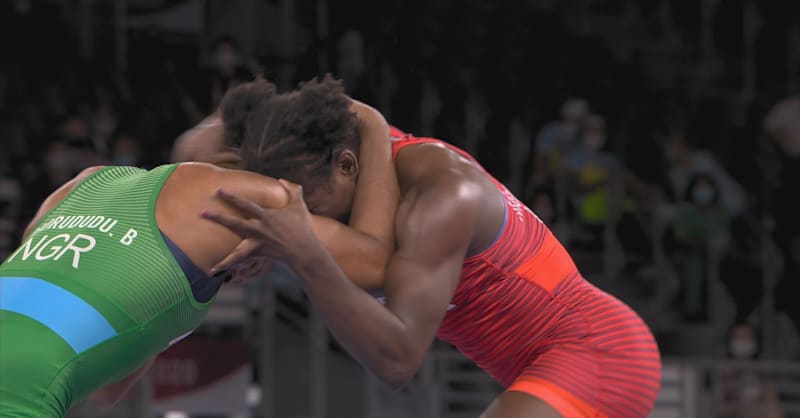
368, 243
377, 194
435, 225
363, 247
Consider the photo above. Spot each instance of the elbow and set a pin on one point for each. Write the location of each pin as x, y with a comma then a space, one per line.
374, 278
399, 367
373, 270
398, 376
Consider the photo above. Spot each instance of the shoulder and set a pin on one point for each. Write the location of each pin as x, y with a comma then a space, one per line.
439, 184
432, 167
262, 190
83, 175
86, 172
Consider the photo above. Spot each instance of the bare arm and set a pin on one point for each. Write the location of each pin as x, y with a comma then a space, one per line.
363, 260
57, 196
363, 248
377, 193
435, 226
368, 243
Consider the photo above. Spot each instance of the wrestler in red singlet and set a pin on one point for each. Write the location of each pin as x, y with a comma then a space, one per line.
523, 313
471, 264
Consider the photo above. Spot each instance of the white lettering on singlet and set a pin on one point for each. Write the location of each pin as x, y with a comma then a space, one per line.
66, 240
47, 248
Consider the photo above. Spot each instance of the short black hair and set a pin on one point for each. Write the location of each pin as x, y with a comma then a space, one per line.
294, 135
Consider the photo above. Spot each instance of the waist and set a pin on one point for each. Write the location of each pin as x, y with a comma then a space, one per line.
32, 356
511, 324
77, 322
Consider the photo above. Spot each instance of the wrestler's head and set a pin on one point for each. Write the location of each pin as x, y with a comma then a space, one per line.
307, 136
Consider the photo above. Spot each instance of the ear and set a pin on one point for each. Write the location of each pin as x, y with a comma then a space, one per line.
347, 163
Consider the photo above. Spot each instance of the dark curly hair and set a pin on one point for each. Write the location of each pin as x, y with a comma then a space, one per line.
294, 135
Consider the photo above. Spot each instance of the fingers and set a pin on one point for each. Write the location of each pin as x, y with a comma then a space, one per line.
295, 192
252, 268
238, 226
237, 257
245, 206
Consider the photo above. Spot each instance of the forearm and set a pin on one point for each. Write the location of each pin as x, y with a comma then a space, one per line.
374, 335
363, 247
362, 258
377, 193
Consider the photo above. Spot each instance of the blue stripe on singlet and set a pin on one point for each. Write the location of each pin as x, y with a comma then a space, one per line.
74, 320
499, 233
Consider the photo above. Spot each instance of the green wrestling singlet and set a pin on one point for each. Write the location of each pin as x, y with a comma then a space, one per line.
91, 294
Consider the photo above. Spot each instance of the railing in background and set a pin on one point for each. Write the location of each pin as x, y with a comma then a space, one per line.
687, 391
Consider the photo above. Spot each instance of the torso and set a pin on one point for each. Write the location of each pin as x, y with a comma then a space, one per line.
422, 159
519, 291
129, 292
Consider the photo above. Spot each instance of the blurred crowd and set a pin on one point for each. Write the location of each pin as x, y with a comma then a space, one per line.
662, 182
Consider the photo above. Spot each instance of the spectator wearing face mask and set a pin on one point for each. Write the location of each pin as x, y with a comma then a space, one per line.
591, 170
686, 162
743, 393
557, 139
698, 234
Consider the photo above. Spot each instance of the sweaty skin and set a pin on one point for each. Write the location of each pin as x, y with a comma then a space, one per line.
193, 186
365, 246
448, 208
376, 196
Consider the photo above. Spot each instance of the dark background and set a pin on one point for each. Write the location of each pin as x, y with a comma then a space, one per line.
679, 94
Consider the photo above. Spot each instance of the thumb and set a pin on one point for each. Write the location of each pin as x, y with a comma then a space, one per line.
295, 192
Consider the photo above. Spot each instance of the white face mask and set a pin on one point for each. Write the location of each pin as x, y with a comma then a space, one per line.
743, 348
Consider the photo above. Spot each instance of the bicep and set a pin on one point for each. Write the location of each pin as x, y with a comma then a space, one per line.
376, 196
434, 234
356, 254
